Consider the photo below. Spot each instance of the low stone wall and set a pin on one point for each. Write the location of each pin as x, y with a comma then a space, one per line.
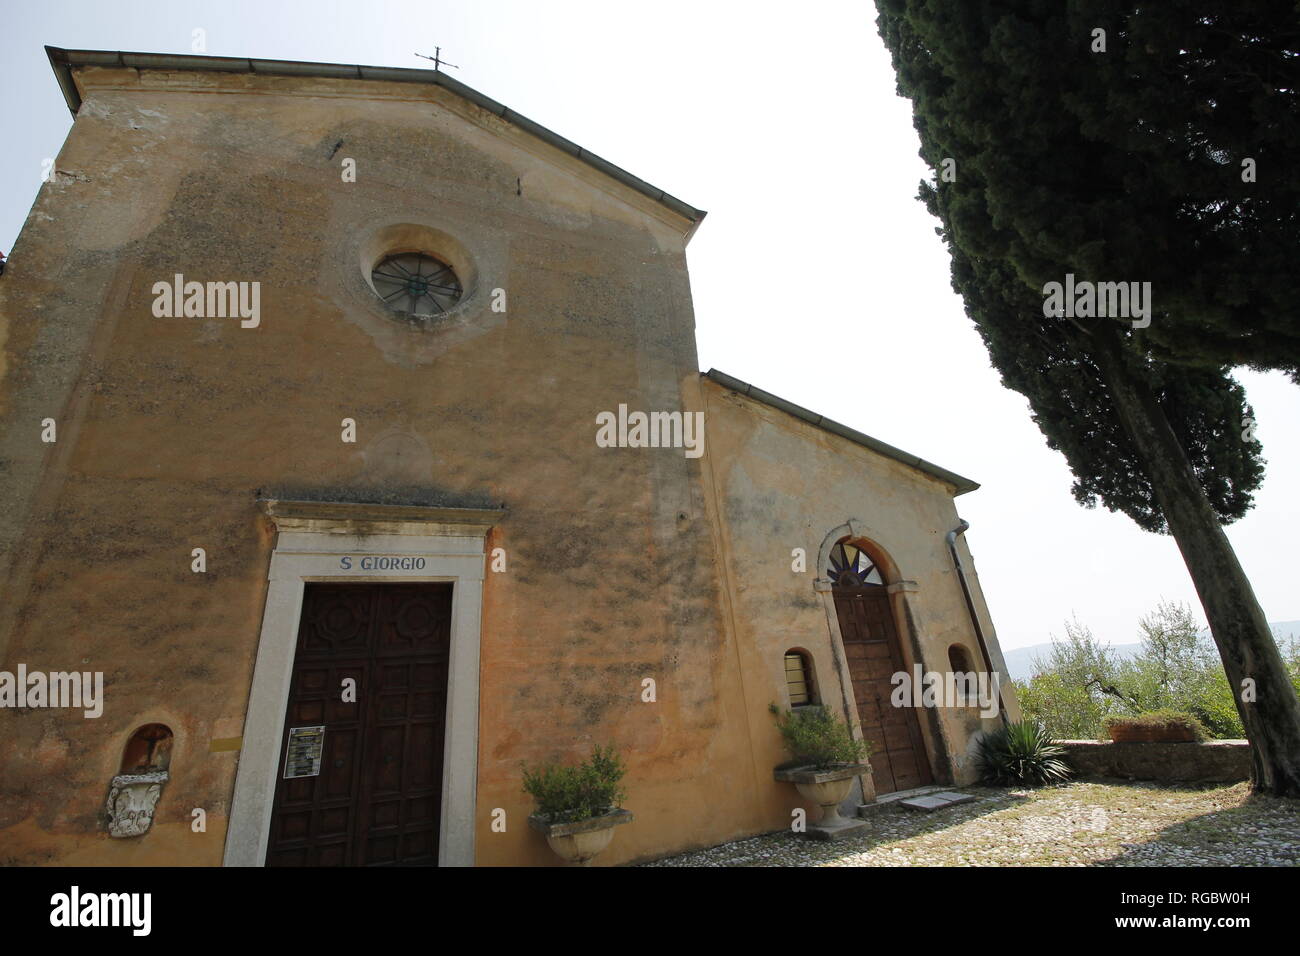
1212, 761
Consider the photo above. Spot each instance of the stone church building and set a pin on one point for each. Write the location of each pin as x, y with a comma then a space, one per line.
305, 371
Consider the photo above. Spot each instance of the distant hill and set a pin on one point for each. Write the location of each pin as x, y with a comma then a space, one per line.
1285, 629
1020, 662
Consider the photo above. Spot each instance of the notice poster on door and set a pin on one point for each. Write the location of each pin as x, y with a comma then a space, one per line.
303, 753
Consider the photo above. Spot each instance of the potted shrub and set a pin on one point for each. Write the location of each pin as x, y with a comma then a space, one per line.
826, 759
577, 807
1021, 753
1156, 726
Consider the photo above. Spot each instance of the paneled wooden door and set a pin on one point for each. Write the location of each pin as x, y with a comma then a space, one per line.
898, 758
377, 799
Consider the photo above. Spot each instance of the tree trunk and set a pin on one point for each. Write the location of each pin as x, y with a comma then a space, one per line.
1241, 632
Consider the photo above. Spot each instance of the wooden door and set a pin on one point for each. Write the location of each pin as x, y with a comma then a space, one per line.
377, 798
898, 758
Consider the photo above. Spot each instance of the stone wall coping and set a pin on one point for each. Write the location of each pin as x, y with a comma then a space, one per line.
1229, 742
1166, 761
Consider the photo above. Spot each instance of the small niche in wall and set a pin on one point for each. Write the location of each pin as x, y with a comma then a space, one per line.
967, 679
149, 749
134, 793
800, 682
958, 660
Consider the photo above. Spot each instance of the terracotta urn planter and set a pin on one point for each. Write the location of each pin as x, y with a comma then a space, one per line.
579, 842
827, 788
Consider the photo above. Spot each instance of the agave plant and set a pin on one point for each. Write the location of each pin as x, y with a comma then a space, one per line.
1022, 753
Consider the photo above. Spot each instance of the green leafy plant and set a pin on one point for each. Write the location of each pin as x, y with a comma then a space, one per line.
1163, 719
1022, 753
567, 794
818, 738
1216, 708
1080, 681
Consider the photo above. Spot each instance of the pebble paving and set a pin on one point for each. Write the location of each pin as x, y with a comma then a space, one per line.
1075, 824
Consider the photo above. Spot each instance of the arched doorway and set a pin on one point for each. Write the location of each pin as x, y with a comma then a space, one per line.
874, 653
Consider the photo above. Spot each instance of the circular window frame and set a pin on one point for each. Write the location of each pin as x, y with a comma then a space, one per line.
418, 239
432, 282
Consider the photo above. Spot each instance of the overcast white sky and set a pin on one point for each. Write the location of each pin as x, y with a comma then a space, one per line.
816, 276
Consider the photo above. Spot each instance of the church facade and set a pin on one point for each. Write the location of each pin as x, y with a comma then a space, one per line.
322, 377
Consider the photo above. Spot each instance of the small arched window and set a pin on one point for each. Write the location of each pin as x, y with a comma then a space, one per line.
851, 567
148, 750
958, 660
799, 679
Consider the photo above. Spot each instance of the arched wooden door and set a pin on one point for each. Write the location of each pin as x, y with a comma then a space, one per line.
871, 644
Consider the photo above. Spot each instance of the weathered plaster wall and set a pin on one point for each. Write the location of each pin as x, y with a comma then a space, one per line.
169, 429
784, 484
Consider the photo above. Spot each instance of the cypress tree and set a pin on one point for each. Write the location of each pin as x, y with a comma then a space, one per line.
1119, 139
1120, 157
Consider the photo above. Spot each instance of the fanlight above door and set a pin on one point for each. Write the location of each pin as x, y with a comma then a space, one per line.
851, 567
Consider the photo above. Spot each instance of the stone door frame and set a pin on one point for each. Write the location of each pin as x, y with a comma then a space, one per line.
326, 541
898, 590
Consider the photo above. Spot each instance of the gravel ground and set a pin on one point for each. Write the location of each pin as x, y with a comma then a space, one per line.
1076, 824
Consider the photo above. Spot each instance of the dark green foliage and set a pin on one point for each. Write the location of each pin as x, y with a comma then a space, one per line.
818, 738
1048, 361
1066, 162
1125, 164
566, 794
1021, 753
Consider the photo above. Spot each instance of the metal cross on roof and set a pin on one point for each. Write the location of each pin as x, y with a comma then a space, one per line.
437, 59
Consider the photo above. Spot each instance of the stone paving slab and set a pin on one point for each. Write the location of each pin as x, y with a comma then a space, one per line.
953, 796
845, 829
923, 803
936, 801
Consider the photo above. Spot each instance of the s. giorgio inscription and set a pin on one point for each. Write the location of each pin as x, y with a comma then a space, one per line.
381, 563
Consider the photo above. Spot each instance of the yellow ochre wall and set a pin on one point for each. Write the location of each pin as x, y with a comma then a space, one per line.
169, 430
783, 484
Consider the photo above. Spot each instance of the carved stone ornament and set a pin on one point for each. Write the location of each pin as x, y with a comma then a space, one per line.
131, 801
